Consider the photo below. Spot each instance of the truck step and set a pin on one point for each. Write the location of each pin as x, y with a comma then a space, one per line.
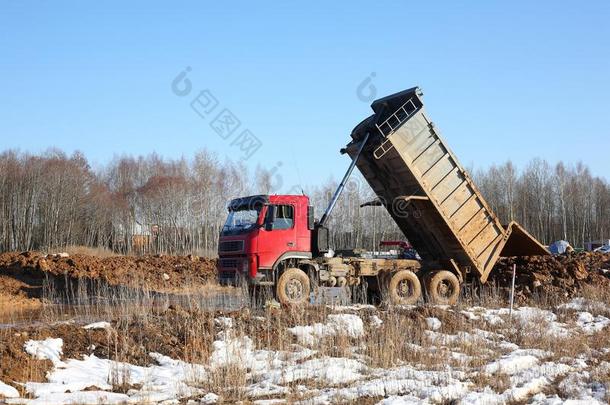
270, 283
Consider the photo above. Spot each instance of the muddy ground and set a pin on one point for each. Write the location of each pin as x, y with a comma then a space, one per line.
22, 275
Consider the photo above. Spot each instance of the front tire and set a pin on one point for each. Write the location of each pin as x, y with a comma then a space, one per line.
293, 287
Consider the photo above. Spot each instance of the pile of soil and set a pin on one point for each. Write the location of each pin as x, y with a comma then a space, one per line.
22, 274
560, 275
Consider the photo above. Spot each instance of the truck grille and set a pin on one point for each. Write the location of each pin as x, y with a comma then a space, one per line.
231, 246
229, 263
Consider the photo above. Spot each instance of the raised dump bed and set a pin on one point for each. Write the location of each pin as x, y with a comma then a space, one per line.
427, 192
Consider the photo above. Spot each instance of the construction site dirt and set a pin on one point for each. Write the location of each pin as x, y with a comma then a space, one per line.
23, 275
559, 276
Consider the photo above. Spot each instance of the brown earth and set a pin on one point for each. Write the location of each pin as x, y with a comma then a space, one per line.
562, 275
22, 274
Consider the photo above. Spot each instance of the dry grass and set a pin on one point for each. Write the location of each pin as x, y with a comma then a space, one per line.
229, 381
211, 253
185, 329
498, 382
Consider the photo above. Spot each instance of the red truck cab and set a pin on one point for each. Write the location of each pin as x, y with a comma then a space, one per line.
260, 232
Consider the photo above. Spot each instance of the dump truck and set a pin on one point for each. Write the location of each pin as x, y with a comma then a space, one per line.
275, 242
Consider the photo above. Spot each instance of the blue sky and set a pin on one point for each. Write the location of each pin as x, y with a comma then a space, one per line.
515, 81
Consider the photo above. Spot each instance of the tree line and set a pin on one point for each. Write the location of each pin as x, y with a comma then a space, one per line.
553, 202
141, 205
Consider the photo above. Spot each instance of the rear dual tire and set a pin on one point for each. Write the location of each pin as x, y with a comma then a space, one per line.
442, 288
404, 288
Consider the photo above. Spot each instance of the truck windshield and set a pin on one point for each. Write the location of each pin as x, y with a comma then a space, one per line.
240, 221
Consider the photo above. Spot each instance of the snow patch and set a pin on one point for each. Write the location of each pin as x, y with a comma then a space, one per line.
400, 400
512, 363
479, 338
491, 316
80, 398
532, 317
356, 307
541, 399
276, 374
232, 351
7, 391
435, 386
337, 324
209, 398
583, 304
527, 378
375, 321
582, 386
98, 325
487, 397
591, 324
168, 380
330, 370
224, 322
48, 349
433, 323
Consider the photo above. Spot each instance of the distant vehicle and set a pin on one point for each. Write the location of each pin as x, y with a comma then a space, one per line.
406, 251
560, 247
603, 249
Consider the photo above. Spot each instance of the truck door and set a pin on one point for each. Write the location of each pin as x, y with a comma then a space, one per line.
278, 234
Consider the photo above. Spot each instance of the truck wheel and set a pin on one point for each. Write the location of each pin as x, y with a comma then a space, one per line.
404, 288
293, 287
443, 287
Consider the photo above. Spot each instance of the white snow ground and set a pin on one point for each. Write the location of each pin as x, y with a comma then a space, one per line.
318, 379
346, 324
98, 325
8, 391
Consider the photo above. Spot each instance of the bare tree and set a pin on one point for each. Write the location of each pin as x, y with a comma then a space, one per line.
153, 205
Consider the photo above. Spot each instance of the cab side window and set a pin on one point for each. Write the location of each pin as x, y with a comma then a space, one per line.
284, 217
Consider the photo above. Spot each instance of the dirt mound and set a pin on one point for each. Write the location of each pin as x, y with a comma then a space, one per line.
562, 275
22, 274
